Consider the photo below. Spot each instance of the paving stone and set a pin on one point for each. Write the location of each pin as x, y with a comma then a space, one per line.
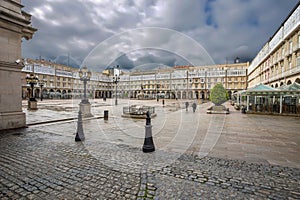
55, 167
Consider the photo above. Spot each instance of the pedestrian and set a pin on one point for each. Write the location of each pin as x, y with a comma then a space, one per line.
163, 102
186, 106
194, 106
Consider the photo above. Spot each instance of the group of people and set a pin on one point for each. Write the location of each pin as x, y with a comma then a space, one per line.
194, 106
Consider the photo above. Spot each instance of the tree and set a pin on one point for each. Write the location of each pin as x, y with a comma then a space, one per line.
218, 94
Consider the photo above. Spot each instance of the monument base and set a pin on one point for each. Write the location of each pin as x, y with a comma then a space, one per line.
12, 120
218, 110
141, 116
32, 105
85, 109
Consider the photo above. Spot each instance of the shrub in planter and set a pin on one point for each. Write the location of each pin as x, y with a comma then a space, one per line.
218, 94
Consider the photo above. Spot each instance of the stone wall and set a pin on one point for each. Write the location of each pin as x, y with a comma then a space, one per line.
14, 25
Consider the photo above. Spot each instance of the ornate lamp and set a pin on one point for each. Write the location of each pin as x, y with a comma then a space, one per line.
32, 80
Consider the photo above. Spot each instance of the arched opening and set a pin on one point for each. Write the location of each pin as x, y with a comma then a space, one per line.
229, 94
184, 95
58, 94
208, 95
45, 94
69, 94
289, 82
190, 95
51, 93
297, 80
178, 95
167, 95
276, 85
64, 94
37, 93
28, 92
202, 95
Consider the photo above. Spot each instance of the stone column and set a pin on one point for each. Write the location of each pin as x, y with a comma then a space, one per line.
280, 109
247, 102
14, 24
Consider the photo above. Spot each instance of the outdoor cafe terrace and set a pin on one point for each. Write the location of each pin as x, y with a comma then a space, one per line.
268, 100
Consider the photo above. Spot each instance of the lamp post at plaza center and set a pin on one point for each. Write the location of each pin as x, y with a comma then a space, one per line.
41, 84
85, 106
116, 79
32, 80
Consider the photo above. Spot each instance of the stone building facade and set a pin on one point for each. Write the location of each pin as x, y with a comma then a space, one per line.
180, 82
62, 82
278, 62
15, 24
184, 82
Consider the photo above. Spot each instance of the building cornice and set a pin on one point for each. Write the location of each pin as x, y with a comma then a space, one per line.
9, 66
20, 21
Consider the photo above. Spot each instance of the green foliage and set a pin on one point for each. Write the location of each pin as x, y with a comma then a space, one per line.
218, 94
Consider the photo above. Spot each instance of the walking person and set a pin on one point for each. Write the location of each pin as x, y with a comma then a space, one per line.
194, 106
186, 106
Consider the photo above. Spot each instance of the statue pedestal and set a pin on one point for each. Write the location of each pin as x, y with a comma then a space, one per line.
85, 109
32, 105
218, 110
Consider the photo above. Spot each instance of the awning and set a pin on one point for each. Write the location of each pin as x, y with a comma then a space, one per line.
265, 90
261, 90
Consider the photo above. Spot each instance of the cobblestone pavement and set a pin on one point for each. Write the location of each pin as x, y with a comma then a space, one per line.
44, 161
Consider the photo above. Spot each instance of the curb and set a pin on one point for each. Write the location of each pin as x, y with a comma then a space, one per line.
62, 120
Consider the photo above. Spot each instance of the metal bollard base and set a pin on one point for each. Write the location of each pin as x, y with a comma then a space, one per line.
148, 141
79, 134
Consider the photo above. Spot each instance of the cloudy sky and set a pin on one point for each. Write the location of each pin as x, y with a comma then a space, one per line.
143, 33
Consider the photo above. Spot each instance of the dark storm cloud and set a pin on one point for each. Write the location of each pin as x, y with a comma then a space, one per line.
226, 29
125, 63
149, 58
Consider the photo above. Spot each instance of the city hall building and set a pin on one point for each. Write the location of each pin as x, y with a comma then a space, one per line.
184, 82
179, 82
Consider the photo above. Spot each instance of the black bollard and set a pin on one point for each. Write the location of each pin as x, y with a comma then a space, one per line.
79, 134
105, 114
148, 142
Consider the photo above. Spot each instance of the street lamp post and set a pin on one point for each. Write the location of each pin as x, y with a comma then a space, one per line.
84, 75
32, 80
41, 83
116, 79
85, 106
157, 91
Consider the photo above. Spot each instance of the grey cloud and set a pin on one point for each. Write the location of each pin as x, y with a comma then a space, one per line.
135, 41
149, 58
224, 29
